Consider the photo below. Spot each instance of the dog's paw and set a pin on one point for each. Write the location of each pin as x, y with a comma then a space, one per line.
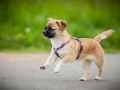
56, 70
82, 79
97, 78
43, 67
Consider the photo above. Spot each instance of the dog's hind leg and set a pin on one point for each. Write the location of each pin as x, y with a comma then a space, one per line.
99, 62
86, 66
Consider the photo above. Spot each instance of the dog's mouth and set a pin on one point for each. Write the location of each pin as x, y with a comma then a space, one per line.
47, 34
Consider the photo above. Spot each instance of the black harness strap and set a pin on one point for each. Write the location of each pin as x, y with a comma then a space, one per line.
81, 48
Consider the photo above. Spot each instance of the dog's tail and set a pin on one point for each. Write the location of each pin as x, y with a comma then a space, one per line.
104, 35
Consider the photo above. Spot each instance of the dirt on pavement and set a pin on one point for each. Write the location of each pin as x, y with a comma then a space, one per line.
23, 56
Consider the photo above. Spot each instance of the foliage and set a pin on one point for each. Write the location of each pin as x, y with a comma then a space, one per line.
22, 21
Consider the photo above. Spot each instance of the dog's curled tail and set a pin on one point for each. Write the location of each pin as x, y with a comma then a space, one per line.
104, 35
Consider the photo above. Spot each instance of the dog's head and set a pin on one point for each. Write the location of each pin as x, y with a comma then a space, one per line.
54, 28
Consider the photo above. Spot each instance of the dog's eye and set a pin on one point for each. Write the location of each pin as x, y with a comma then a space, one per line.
51, 28
45, 28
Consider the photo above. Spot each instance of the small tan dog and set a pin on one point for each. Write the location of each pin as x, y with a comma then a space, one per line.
70, 49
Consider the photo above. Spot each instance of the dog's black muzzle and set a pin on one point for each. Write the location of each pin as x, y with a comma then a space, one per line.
48, 34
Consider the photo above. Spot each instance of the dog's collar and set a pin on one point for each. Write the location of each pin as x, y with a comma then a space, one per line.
81, 47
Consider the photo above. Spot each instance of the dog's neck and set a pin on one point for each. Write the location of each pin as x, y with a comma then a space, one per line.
59, 40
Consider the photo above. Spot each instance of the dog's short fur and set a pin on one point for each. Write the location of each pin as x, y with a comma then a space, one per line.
92, 50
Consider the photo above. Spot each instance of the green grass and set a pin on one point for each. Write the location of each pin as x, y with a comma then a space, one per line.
22, 22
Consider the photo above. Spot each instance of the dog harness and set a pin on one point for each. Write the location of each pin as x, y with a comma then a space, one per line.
81, 47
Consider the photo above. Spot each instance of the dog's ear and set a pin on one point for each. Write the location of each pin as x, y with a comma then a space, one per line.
49, 19
61, 24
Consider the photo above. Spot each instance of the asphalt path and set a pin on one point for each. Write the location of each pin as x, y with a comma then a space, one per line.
26, 75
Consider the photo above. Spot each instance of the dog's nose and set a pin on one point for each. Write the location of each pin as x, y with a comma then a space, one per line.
44, 32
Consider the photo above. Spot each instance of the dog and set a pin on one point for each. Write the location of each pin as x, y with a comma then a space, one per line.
69, 49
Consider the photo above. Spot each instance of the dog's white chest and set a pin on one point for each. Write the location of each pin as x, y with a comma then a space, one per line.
63, 52
56, 43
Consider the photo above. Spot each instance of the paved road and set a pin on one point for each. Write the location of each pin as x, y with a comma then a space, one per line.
26, 75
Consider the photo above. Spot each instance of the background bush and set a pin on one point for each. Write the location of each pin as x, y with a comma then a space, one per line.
22, 22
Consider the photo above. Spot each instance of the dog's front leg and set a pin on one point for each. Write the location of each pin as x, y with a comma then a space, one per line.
51, 59
66, 59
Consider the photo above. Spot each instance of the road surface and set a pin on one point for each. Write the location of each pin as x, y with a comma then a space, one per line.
21, 72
